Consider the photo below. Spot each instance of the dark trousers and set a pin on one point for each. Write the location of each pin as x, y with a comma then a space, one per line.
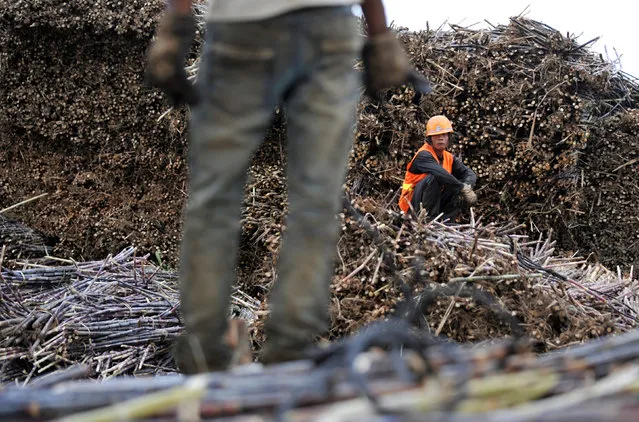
436, 199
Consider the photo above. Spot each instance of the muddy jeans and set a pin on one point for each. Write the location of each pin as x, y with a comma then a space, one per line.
303, 60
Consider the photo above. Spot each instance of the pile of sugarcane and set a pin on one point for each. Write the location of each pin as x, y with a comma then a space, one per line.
559, 299
81, 124
103, 16
117, 316
609, 225
469, 282
542, 121
532, 108
533, 114
386, 371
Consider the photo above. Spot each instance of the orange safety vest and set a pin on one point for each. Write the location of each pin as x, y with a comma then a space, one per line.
411, 179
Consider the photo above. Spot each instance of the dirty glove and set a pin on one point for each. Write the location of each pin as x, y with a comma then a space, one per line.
467, 193
167, 57
386, 66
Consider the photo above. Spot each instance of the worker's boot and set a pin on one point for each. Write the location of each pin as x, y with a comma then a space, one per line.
277, 352
196, 354
239, 340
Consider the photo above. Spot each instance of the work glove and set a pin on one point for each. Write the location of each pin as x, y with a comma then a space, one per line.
167, 58
387, 66
467, 193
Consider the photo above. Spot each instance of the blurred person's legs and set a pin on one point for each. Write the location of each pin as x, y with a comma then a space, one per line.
236, 84
320, 106
247, 68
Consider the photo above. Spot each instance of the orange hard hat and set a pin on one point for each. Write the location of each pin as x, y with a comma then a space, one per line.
437, 125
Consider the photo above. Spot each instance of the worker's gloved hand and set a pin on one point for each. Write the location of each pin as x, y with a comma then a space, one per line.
387, 66
467, 193
167, 57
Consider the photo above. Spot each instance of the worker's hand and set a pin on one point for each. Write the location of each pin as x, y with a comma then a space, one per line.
467, 193
167, 57
387, 66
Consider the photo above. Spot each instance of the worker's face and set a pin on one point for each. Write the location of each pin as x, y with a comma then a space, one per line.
439, 142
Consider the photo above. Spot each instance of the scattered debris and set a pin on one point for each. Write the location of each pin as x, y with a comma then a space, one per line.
469, 283
357, 380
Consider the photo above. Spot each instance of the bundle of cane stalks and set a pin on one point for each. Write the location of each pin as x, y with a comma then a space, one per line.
118, 316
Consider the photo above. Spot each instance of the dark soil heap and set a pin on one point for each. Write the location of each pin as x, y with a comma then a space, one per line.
531, 108
79, 123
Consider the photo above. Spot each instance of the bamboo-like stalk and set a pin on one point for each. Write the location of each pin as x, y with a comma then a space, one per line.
144, 406
26, 201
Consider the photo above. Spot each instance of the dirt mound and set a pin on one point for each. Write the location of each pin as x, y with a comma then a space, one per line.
80, 124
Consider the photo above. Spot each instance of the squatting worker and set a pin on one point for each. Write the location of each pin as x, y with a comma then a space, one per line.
259, 54
435, 179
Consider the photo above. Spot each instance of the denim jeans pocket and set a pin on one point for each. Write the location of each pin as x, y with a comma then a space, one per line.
240, 67
341, 36
337, 46
235, 60
243, 47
